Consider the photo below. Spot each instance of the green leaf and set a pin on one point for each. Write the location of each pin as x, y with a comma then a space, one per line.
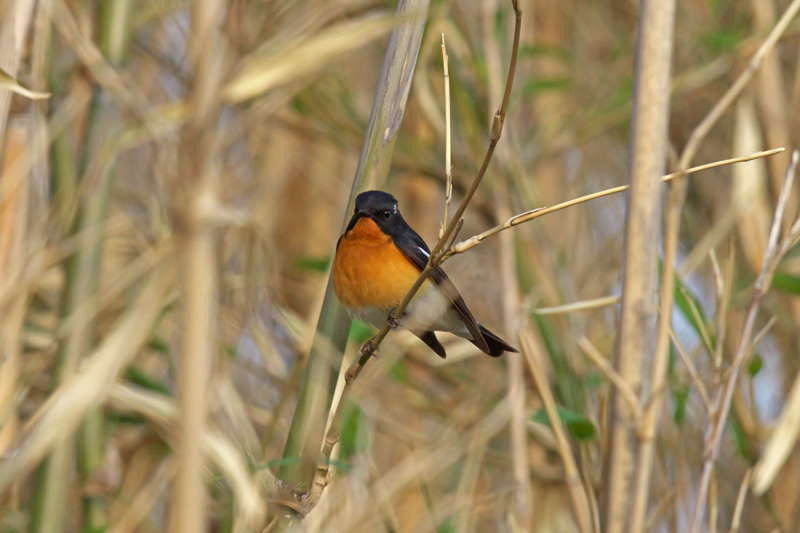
722, 40
680, 396
355, 437
276, 462
299, 105
313, 264
399, 372
739, 435
544, 50
580, 427
158, 344
755, 365
446, 526
359, 332
539, 85
690, 307
593, 380
138, 377
786, 282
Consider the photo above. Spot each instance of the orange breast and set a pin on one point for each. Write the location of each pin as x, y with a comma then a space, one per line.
369, 270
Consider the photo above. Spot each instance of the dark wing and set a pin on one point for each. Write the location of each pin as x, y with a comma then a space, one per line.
414, 247
429, 338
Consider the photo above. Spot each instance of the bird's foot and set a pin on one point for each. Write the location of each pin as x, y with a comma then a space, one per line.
393, 321
369, 348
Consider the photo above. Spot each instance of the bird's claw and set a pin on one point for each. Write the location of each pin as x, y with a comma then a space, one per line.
369, 348
393, 321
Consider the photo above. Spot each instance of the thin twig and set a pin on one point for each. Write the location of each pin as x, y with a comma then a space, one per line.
671, 237
737, 511
583, 305
698, 382
722, 309
605, 367
763, 332
724, 395
448, 164
578, 498
527, 216
713, 498
702, 129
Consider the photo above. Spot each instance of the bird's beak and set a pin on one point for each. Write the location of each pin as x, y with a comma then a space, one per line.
362, 213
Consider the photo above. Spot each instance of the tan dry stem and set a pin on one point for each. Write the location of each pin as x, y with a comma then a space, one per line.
724, 395
638, 310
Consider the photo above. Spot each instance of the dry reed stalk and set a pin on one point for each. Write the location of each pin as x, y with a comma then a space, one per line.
521, 506
724, 394
751, 210
780, 444
687, 360
261, 72
196, 204
13, 222
737, 511
613, 377
218, 447
517, 390
117, 83
527, 216
448, 159
577, 493
429, 461
12, 46
771, 96
66, 407
307, 430
13, 233
671, 237
131, 517
583, 305
636, 322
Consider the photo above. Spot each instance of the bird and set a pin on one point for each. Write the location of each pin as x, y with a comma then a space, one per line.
379, 257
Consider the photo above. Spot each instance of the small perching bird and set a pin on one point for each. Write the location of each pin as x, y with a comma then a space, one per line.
378, 259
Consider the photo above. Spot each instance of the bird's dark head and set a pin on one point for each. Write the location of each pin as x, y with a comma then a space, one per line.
379, 206
376, 204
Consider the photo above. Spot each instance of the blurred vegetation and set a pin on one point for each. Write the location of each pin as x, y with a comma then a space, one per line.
97, 206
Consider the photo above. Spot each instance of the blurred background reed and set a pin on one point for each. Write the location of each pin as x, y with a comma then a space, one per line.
168, 216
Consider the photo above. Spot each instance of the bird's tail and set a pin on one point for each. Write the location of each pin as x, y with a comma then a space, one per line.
496, 345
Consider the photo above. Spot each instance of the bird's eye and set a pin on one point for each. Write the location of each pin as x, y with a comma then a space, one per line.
387, 214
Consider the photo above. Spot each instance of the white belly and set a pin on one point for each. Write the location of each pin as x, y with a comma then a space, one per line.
430, 310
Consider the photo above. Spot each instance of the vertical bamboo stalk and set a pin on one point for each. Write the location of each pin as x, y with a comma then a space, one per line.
83, 273
635, 342
308, 424
195, 198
